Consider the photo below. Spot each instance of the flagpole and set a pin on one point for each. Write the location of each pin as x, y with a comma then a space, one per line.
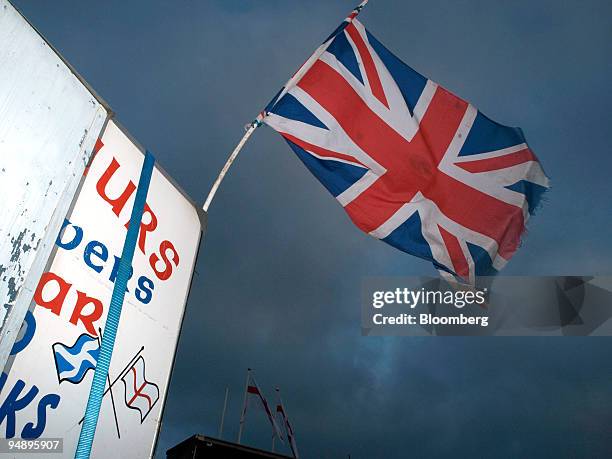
258, 121
288, 430
249, 131
242, 415
223, 414
278, 397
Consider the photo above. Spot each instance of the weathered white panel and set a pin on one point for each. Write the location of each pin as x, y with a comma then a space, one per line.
72, 301
49, 122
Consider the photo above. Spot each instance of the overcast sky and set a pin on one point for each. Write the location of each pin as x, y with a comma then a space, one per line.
278, 278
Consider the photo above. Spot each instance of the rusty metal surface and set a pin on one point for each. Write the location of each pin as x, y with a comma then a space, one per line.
49, 122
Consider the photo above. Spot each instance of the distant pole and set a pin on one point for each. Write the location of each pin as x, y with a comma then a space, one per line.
223, 414
274, 436
244, 405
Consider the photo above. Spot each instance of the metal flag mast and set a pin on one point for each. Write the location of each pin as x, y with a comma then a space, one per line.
220, 433
250, 128
288, 429
244, 404
275, 410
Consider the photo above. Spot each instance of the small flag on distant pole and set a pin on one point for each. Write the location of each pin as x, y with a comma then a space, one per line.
254, 395
284, 418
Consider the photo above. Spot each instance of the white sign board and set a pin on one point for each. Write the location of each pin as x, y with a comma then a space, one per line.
60, 338
49, 122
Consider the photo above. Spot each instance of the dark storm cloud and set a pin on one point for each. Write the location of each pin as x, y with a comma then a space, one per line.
279, 274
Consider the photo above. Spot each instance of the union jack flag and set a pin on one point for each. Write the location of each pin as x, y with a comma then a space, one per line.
411, 163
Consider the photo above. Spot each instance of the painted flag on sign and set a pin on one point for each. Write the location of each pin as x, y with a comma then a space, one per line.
73, 362
140, 394
411, 163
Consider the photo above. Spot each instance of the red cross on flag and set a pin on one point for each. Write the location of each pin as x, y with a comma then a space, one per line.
254, 396
140, 394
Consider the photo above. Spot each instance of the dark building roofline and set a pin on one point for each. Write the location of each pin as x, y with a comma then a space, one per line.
200, 446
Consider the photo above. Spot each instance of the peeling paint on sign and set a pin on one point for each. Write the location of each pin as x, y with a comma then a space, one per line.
78, 276
49, 123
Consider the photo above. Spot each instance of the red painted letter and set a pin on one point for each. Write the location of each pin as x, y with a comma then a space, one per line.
87, 320
116, 203
54, 304
154, 258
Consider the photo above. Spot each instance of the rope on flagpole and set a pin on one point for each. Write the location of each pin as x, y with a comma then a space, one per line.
244, 405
